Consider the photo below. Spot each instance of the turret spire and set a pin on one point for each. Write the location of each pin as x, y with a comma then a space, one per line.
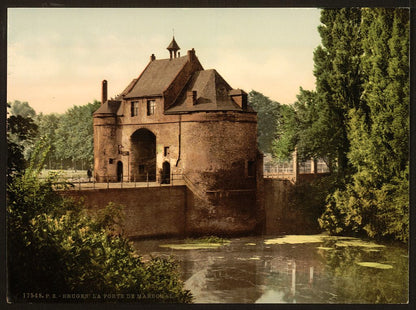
173, 48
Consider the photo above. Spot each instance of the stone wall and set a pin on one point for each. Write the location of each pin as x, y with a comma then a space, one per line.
178, 211
217, 149
149, 212
105, 147
282, 214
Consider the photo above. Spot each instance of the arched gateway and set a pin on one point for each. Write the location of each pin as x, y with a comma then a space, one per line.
206, 136
143, 155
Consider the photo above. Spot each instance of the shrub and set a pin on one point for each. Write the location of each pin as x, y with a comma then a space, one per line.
56, 247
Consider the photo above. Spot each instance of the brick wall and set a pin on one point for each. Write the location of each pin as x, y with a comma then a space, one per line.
282, 216
149, 212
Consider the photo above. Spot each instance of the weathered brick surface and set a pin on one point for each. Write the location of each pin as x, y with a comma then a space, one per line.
282, 216
216, 151
148, 212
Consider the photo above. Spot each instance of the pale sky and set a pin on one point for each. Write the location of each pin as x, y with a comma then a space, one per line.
58, 57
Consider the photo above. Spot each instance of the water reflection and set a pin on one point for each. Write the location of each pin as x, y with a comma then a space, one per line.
249, 271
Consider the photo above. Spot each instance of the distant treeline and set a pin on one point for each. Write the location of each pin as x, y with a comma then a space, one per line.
69, 135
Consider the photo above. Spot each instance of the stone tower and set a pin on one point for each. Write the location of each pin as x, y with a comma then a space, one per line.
178, 118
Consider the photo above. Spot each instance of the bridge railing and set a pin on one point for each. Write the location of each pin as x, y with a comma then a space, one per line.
292, 169
143, 180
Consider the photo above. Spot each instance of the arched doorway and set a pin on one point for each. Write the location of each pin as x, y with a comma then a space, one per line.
143, 155
165, 173
119, 171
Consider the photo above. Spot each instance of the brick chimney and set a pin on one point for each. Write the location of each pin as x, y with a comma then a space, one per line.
104, 92
191, 55
190, 98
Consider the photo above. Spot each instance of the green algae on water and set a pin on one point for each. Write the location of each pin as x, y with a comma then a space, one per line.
296, 239
371, 250
358, 243
208, 239
210, 242
374, 265
341, 238
324, 248
191, 246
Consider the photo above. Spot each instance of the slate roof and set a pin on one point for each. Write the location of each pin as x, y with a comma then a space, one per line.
212, 94
126, 90
109, 107
157, 77
173, 45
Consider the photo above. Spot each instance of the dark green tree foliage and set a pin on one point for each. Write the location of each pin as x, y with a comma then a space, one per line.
74, 135
56, 247
375, 201
21, 132
268, 113
47, 127
288, 131
21, 108
338, 82
299, 127
317, 123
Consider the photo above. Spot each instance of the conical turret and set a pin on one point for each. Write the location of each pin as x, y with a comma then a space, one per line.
173, 48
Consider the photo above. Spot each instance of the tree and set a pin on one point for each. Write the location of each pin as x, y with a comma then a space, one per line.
358, 120
338, 82
301, 124
21, 108
375, 201
317, 122
47, 127
21, 132
288, 131
74, 135
268, 115
56, 247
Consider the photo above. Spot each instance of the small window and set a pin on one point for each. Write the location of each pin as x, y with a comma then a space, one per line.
166, 151
134, 108
151, 107
251, 168
111, 161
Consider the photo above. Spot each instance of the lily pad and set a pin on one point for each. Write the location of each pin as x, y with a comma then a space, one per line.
296, 239
191, 246
374, 265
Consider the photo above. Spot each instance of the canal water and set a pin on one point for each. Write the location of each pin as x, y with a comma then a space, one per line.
288, 269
